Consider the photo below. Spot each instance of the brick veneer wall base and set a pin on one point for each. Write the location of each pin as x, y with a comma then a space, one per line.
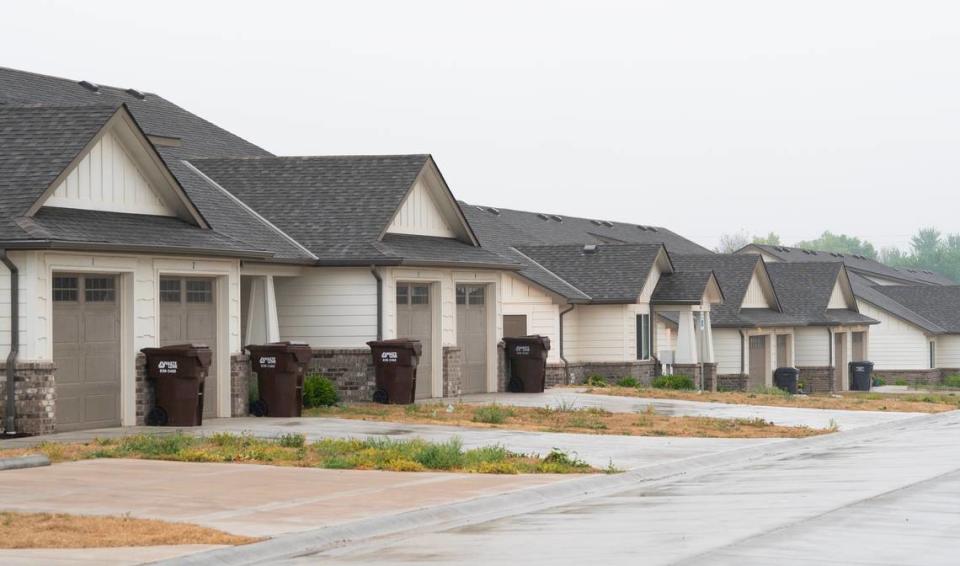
709, 376
240, 372
452, 371
817, 379
351, 369
36, 398
732, 382
693, 370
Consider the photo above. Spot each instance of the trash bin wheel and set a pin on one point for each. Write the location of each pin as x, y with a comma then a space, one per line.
515, 385
380, 396
258, 408
157, 417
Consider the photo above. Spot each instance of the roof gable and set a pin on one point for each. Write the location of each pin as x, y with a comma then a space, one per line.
842, 295
429, 209
759, 293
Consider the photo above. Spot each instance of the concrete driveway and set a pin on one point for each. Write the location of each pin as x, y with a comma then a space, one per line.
786, 416
884, 497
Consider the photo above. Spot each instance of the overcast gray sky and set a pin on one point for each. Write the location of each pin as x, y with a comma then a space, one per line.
705, 117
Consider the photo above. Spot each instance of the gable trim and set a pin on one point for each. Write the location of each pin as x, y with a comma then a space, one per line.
430, 165
122, 115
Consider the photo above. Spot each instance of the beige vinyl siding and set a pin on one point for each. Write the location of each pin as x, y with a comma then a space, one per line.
726, 350
108, 179
837, 299
542, 314
328, 307
420, 215
812, 347
948, 351
602, 333
895, 343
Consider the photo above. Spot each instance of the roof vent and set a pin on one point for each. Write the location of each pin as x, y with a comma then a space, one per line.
596, 223
607, 223
494, 211
590, 249
651, 228
90, 86
543, 216
644, 228
556, 217
136, 93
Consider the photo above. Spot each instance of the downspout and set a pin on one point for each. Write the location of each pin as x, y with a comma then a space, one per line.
376, 275
566, 364
11, 408
743, 362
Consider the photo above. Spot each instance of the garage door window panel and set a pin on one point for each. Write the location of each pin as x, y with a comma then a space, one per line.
99, 289
66, 289
199, 292
170, 291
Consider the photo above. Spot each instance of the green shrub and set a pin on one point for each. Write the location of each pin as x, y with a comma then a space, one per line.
596, 381
673, 382
879, 381
492, 414
318, 391
441, 455
628, 382
900, 381
292, 440
952, 380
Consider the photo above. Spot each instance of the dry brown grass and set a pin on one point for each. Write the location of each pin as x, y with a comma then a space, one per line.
46, 530
851, 400
566, 419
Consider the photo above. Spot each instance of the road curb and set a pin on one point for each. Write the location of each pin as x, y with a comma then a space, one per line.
491, 507
23, 462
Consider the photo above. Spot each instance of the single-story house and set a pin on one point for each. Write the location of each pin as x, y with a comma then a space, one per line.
905, 344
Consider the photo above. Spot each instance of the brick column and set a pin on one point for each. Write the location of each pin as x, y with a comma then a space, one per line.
452, 371
146, 397
240, 373
692, 370
35, 397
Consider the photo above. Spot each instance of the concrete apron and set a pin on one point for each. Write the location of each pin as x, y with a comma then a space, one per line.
483, 509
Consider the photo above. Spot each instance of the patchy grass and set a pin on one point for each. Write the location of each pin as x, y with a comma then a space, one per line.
293, 450
564, 417
46, 530
850, 400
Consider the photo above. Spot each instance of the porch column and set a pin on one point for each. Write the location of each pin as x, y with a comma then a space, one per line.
686, 339
270, 306
262, 321
707, 349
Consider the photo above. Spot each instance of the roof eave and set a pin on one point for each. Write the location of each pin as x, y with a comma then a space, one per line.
134, 248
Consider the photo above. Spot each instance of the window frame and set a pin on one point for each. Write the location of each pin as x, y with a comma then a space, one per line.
644, 337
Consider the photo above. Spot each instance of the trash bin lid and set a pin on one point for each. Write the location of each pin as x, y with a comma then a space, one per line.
407, 343
201, 352
533, 339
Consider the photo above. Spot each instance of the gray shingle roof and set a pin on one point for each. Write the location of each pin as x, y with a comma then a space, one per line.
425, 250
98, 228
155, 115
857, 263
611, 273
865, 290
733, 274
804, 290
687, 287
939, 304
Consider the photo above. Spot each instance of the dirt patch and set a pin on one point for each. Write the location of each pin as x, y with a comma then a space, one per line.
46, 530
588, 420
847, 401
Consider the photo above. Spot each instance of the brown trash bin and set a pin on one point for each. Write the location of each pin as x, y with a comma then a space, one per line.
280, 368
178, 372
395, 362
527, 358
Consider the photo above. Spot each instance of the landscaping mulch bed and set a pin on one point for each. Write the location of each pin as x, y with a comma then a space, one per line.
48, 530
563, 418
848, 401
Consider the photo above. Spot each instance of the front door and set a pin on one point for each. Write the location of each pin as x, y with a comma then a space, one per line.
415, 321
86, 351
188, 314
472, 336
758, 361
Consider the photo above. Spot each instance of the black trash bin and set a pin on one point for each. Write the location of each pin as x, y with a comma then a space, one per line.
527, 359
395, 363
861, 376
786, 378
178, 373
280, 367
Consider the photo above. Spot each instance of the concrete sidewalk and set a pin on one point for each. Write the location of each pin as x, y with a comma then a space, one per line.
786, 416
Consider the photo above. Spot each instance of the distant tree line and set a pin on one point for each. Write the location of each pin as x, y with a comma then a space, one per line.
929, 249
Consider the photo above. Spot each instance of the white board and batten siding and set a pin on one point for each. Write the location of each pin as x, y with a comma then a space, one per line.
328, 307
420, 215
756, 297
838, 300
108, 179
895, 343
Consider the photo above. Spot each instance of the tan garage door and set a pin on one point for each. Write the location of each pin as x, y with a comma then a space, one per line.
415, 320
86, 350
188, 313
758, 361
472, 336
